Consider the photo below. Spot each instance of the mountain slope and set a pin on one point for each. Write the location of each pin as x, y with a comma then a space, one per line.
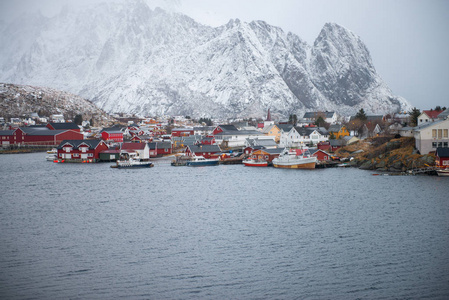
22, 100
129, 58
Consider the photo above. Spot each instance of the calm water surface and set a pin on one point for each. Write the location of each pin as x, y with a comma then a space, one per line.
87, 231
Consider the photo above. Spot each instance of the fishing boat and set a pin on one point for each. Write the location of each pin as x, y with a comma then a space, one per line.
132, 160
295, 159
52, 154
200, 161
443, 172
255, 163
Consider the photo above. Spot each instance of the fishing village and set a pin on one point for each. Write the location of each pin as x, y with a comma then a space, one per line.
317, 140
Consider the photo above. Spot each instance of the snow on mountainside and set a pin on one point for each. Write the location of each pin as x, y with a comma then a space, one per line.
130, 58
22, 100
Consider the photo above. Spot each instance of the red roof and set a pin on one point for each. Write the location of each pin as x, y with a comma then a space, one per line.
433, 114
133, 146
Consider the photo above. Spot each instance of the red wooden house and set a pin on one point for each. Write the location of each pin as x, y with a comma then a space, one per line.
112, 135
208, 151
222, 128
81, 150
182, 132
163, 148
37, 136
250, 149
266, 154
442, 157
321, 155
324, 145
63, 126
208, 140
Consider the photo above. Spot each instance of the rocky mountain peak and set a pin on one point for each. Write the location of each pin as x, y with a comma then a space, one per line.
130, 58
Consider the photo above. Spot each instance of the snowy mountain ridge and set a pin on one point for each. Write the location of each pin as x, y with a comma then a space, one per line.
130, 58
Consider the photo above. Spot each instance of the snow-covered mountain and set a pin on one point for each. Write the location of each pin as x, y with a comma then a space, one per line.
126, 57
22, 100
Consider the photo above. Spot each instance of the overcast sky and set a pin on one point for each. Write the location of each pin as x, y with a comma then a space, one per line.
408, 39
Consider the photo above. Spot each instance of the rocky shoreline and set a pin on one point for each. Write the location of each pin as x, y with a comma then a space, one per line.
386, 155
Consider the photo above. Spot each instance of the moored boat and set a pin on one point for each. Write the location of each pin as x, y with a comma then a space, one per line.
132, 160
52, 154
255, 163
443, 172
299, 159
200, 161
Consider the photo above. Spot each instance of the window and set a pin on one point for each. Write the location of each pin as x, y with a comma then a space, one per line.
434, 144
445, 144
90, 155
434, 133
445, 133
440, 133
445, 162
440, 144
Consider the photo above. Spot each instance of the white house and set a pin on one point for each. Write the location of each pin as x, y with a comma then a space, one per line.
299, 136
237, 138
428, 116
431, 135
330, 117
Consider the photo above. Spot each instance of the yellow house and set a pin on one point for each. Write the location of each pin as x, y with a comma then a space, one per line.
273, 130
338, 131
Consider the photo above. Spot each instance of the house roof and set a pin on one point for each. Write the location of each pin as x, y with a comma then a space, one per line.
92, 144
204, 128
433, 114
7, 132
273, 151
335, 128
316, 114
312, 152
69, 125
442, 152
426, 125
337, 142
133, 146
228, 127
164, 145
204, 148
285, 127
42, 132
444, 114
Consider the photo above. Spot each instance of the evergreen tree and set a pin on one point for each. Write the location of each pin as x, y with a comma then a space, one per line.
361, 115
293, 119
320, 122
78, 119
414, 114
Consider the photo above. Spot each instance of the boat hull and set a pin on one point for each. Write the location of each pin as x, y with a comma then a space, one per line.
133, 166
289, 162
255, 163
443, 173
201, 163
310, 165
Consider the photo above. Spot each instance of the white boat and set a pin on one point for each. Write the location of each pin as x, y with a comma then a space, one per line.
132, 160
52, 154
255, 163
200, 161
295, 159
443, 172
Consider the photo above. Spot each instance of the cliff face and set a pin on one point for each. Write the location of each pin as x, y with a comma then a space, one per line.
129, 58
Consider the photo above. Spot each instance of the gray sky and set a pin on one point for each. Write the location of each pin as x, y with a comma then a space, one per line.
407, 39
